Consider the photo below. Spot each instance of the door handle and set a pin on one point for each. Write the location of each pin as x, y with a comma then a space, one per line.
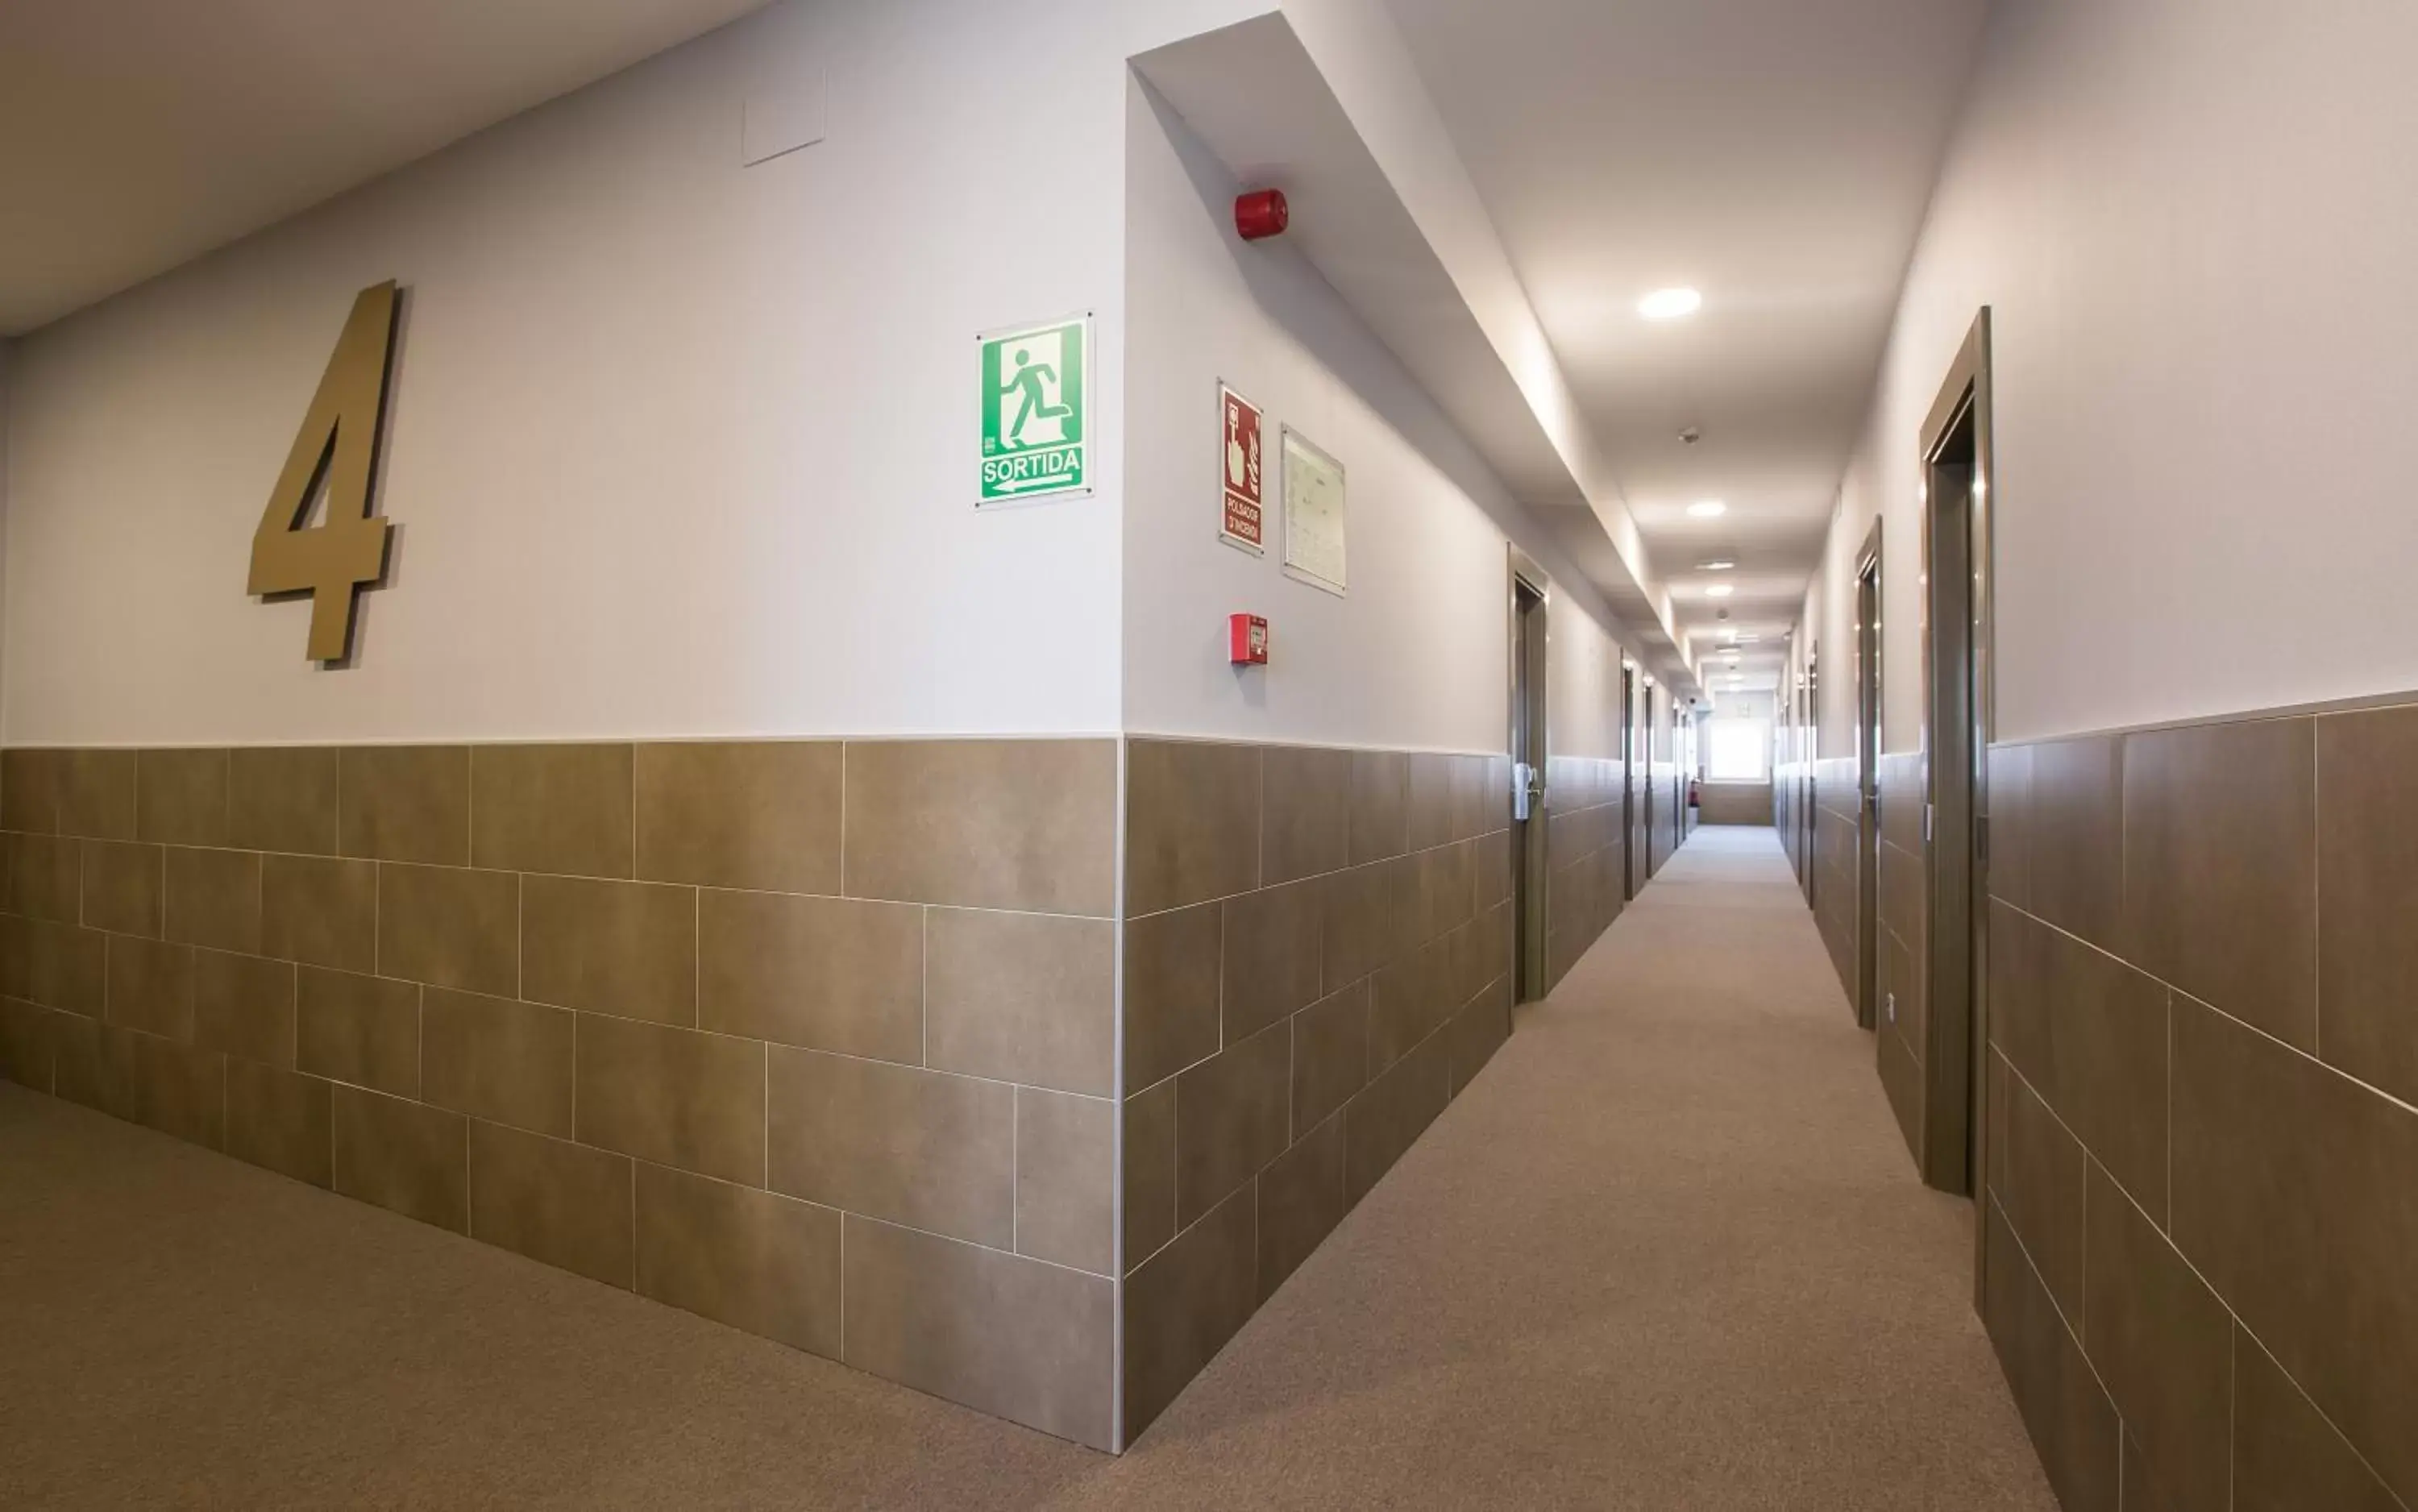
1527, 790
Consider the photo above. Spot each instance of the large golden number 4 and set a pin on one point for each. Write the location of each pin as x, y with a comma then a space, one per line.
337, 444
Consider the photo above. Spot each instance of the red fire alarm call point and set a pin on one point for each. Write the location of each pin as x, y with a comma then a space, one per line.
1247, 640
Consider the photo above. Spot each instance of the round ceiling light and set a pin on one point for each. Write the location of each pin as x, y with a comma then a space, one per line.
1670, 304
1722, 565
1707, 509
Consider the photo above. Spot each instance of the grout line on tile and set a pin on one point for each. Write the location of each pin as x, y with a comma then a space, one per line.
2232, 1410
2241, 1330
2092, 1161
884, 903
2072, 1326
2286, 1045
2316, 903
2082, 1303
1119, 1096
1221, 977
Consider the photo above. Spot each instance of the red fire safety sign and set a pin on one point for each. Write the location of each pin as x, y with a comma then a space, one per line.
1245, 516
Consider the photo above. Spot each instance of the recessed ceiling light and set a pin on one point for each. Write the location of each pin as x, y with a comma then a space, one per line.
1720, 566
1719, 590
1670, 304
1707, 509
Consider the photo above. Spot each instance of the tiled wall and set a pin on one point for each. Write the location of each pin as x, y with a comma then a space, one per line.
1738, 804
1670, 811
2202, 1230
1318, 958
1662, 772
1640, 831
1901, 1010
1790, 781
1835, 866
1585, 849
814, 1038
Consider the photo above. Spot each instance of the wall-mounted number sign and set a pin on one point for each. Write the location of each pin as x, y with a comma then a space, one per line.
337, 447
1036, 411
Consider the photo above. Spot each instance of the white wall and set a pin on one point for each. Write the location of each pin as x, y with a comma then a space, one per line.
679, 446
2195, 222
1755, 705
1415, 656
1582, 683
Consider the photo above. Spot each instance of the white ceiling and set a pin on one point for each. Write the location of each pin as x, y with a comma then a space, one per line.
135, 134
1775, 154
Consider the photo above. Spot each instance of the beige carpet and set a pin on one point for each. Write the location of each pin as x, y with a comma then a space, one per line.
1668, 1253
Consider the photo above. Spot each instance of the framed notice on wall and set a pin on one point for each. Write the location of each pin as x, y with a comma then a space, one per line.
1313, 510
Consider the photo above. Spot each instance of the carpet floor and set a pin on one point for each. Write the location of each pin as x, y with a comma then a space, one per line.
1668, 1252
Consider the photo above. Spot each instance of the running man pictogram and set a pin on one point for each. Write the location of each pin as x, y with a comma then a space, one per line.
1031, 405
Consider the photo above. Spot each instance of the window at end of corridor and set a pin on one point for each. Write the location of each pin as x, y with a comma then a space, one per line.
1741, 750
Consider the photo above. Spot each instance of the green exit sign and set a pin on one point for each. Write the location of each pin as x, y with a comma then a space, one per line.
1036, 411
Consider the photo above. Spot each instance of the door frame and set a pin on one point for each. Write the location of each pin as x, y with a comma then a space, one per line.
1643, 773
1955, 1062
1629, 881
1870, 698
1682, 758
1529, 723
1809, 694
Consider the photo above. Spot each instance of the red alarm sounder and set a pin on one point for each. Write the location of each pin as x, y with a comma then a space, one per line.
1260, 214
1247, 640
